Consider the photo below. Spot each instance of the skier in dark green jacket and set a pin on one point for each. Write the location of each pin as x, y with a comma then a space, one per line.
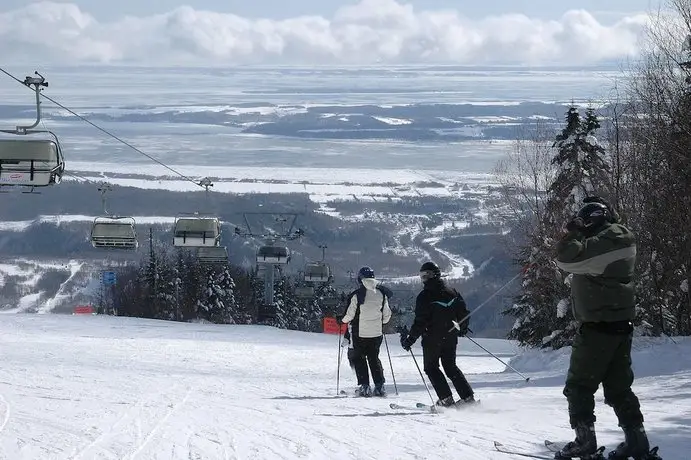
600, 254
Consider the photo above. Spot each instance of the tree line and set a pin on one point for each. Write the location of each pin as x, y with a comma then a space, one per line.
172, 284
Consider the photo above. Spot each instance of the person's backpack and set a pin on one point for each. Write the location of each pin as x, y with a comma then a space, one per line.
362, 291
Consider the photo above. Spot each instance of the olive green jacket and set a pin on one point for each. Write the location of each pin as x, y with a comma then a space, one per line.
602, 286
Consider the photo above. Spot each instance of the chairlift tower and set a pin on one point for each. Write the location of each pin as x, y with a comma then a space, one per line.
274, 253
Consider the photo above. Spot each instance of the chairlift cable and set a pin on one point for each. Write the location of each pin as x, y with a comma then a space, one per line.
105, 131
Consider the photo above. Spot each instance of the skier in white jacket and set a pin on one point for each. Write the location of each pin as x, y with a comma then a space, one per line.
368, 311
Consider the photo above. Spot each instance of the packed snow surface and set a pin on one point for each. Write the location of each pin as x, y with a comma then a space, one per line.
92, 387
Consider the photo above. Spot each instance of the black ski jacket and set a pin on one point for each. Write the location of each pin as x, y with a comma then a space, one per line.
436, 308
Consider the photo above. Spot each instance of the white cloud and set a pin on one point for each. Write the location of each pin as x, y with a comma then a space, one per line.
372, 31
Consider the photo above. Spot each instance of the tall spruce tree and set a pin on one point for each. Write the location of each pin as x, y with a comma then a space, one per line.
543, 309
322, 294
218, 300
281, 305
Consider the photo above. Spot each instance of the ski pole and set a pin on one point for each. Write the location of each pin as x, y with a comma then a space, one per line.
423, 379
489, 298
390, 364
527, 379
340, 353
457, 327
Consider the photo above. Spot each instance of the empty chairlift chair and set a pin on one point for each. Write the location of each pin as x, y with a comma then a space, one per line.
317, 272
277, 255
30, 162
304, 292
196, 232
114, 233
212, 255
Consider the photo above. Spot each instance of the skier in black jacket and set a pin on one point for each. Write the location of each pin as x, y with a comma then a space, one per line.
437, 309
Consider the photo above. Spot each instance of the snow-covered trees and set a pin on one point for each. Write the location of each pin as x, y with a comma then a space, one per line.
176, 286
217, 303
652, 138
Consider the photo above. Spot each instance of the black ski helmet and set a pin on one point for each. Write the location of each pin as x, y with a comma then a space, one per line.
594, 214
364, 272
429, 270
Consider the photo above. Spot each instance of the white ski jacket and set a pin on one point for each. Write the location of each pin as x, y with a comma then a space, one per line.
368, 317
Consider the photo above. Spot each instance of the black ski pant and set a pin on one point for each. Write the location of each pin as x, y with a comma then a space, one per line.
600, 354
444, 351
366, 352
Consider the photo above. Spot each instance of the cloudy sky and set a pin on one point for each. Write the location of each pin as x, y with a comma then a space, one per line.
228, 32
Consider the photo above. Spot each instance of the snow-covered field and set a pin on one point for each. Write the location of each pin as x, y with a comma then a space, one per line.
121, 388
321, 184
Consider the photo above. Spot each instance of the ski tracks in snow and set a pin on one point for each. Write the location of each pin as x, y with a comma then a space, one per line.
4, 417
139, 425
4, 412
174, 407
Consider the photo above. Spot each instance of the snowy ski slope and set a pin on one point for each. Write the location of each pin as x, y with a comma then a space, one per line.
76, 387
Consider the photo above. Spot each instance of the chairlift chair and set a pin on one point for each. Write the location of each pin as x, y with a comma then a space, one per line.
304, 292
277, 255
111, 232
330, 302
196, 232
212, 255
317, 272
31, 162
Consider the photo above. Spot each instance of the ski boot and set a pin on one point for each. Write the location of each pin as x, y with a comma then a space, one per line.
584, 447
635, 445
446, 402
379, 390
470, 400
363, 391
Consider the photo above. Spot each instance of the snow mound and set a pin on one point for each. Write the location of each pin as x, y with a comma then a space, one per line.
542, 360
651, 356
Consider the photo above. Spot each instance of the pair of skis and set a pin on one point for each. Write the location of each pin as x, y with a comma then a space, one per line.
426, 407
417, 407
554, 447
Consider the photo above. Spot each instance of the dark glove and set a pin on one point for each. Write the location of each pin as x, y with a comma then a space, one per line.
339, 319
407, 342
576, 224
463, 328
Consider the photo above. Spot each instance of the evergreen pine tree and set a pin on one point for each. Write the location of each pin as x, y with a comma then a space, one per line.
226, 283
323, 294
192, 285
218, 298
149, 277
165, 287
295, 310
280, 305
543, 309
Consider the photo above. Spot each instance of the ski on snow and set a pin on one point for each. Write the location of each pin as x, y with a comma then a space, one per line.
516, 451
422, 409
457, 405
552, 447
426, 407
557, 446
